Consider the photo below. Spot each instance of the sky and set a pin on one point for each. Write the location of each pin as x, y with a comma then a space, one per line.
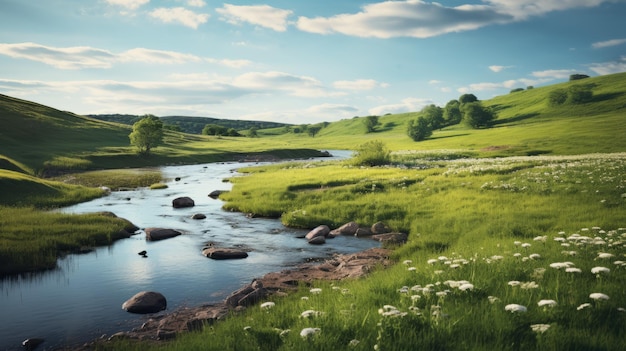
297, 61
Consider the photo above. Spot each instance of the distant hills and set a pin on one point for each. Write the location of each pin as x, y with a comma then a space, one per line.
193, 125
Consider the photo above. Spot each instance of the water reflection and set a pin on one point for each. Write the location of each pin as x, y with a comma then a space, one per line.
82, 298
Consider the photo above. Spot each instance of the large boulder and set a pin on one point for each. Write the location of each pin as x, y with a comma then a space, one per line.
184, 201
145, 302
223, 254
247, 295
349, 228
215, 194
154, 234
321, 230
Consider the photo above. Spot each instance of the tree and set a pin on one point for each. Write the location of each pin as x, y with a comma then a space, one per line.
419, 129
476, 116
214, 129
577, 76
372, 153
467, 98
434, 116
252, 132
147, 134
557, 97
313, 130
370, 123
579, 94
452, 112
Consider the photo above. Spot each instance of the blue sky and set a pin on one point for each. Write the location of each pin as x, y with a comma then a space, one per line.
297, 61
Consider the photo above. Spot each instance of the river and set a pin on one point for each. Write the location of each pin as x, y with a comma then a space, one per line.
81, 300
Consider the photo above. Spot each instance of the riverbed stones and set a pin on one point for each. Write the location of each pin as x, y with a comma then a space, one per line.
183, 201
321, 230
32, 343
318, 240
247, 295
391, 238
145, 302
215, 194
380, 228
349, 228
224, 253
198, 216
155, 234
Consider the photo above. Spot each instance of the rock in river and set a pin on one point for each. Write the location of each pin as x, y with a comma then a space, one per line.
145, 302
154, 234
223, 254
184, 201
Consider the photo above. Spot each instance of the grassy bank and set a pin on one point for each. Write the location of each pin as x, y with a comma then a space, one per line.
484, 236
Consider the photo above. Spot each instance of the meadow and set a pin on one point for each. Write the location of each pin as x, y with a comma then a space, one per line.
522, 253
515, 232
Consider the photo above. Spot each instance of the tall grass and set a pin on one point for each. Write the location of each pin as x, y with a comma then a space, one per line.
32, 240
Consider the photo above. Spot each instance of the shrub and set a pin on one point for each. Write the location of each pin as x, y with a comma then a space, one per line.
557, 97
371, 153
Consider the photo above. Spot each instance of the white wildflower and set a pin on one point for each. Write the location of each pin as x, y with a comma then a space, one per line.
309, 332
539, 328
513, 308
315, 291
583, 306
267, 305
599, 270
546, 303
598, 296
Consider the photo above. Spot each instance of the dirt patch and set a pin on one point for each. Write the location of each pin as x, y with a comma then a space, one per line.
166, 326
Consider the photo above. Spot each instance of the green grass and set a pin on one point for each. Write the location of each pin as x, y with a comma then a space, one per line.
459, 201
32, 240
488, 222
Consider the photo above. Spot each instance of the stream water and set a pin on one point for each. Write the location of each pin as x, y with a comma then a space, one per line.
81, 300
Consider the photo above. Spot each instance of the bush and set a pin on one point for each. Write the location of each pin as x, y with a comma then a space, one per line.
557, 97
419, 129
371, 153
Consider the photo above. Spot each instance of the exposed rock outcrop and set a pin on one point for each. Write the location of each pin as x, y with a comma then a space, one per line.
223, 253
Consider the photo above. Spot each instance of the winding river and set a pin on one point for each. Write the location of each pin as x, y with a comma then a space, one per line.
81, 299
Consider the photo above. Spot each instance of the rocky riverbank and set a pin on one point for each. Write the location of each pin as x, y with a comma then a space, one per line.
166, 326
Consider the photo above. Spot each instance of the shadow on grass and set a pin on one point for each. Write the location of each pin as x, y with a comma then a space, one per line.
514, 119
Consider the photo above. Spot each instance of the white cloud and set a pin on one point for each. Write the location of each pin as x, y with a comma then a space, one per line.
497, 69
434, 82
260, 15
180, 15
554, 73
334, 109
196, 3
421, 19
129, 4
157, 56
83, 57
359, 84
607, 43
609, 67
406, 105
76, 57
475, 88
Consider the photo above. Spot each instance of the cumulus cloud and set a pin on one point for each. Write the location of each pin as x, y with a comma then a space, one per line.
76, 57
406, 105
554, 73
260, 15
128, 4
609, 67
507, 84
180, 15
608, 43
83, 57
196, 3
359, 84
421, 19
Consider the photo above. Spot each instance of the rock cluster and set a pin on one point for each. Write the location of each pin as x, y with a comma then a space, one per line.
378, 231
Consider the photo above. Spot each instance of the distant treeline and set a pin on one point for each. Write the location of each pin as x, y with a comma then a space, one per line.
193, 125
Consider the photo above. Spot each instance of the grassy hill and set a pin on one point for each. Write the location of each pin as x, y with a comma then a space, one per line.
193, 125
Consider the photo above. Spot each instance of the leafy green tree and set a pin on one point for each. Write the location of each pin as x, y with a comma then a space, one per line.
476, 115
214, 129
147, 134
313, 130
372, 153
232, 132
452, 112
252, 132
419, 129
434, 116
371, 122
467, 98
